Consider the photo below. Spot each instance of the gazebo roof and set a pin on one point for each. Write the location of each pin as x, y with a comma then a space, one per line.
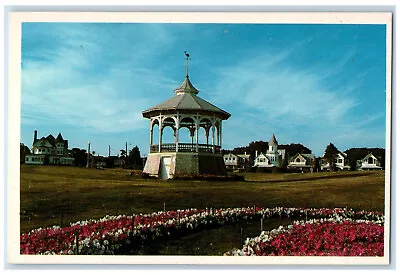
186, 87
186, 100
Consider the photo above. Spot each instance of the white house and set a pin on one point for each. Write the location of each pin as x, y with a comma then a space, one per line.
51, 150
303, 162
341, 163
262, 160
231, 161
272, 157
239, 161
369, 162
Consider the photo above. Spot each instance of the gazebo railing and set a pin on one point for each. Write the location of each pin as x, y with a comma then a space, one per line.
184, 147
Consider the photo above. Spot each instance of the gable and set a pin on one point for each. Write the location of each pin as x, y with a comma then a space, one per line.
298, 156
261, 156
42, 143
340, 156
368, 156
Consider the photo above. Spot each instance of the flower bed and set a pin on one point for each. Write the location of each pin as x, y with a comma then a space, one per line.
325, 237
110, 234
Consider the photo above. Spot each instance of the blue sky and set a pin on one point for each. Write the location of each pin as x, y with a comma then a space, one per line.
309, 84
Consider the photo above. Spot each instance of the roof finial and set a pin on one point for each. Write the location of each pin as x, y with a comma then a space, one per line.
187, 63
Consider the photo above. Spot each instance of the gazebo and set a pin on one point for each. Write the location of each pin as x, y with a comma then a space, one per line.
185, 110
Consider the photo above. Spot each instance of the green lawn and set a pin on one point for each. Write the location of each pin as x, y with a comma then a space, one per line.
55, 195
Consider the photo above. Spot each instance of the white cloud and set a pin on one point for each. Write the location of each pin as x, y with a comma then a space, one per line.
63, 83
281, 98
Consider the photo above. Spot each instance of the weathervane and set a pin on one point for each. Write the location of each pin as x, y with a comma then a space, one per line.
187, 63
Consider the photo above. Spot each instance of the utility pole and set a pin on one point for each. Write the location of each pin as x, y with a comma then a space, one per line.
109, 150
88, 156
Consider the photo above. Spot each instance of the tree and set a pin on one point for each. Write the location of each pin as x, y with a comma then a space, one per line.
110, 161
294, 148
123, 153
134, 159
23, 152
330, 155
80, 157
283, 163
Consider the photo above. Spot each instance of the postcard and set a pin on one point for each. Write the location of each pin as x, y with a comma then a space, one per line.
199, 138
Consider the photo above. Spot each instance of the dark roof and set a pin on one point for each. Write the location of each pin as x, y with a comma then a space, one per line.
306, 156
51, 139
42, 142
309, 156
59, 138
186, 99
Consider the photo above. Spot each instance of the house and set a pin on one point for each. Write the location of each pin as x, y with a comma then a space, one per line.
231, 161
340, 162
369, 162
302, 162
244, 161
262, 160
272, 158
236, 162
49, 150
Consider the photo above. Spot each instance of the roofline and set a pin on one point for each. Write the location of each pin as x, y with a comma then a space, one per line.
154, 112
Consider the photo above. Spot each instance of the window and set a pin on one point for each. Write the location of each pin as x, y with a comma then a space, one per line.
340, 161
298, 160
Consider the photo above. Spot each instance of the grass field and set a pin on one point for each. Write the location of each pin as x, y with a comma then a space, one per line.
60, 195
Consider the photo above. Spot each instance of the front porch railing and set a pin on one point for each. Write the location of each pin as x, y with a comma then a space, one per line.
185, 147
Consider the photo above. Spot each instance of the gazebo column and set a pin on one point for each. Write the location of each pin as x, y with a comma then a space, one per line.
191, 130
160, 139
197, 136
213, 138
207, 130
177, 134
151, 134
217, 135
220, 133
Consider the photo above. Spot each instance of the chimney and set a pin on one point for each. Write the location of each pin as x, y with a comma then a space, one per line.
35, 136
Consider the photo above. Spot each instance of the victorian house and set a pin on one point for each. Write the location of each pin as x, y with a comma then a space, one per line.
272, 158
49, 150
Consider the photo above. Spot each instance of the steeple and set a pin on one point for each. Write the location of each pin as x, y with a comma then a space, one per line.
273, 140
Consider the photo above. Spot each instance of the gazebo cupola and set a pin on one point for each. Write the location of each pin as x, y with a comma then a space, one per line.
186, 110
